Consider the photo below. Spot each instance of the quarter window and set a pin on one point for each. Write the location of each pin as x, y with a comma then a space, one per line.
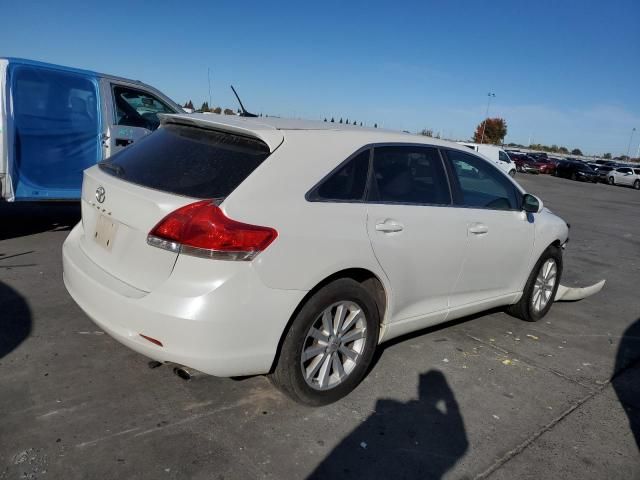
348, 183
479, 184
409, 174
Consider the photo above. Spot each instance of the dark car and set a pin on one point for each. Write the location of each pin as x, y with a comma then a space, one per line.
576, 171
602, 171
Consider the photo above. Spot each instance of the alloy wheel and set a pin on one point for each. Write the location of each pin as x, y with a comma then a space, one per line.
544, 286
334, 345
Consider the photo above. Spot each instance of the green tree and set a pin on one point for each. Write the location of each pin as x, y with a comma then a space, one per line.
325, 119
375, 125
576, 151
204, 107
607, 156
494, 129
217, 110
426, 132
340, 120
228, 111
333, 120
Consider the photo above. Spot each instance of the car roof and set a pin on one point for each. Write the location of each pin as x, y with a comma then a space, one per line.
273, 130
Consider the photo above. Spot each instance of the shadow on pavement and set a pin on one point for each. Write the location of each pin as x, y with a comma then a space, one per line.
20, 219
419, 439
15, 319
626, 379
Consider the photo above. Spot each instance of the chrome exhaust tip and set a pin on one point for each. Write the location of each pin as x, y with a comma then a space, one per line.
183, 373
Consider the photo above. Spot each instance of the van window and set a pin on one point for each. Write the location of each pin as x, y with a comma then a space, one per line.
57, 127
503, 157
188, 161
135, 108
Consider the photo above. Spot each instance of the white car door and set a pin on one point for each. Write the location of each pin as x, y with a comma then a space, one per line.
499, 235
417, 238
624, 176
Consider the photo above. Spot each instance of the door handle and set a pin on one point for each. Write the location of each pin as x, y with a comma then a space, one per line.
478, 228
389, 227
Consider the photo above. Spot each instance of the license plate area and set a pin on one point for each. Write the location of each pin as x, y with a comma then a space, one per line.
105, 232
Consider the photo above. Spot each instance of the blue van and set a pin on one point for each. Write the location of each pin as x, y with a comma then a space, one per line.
56, 121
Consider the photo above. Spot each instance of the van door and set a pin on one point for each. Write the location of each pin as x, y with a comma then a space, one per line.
6, 192
133, 114
55, 131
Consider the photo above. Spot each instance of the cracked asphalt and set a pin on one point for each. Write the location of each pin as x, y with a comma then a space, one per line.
484, 397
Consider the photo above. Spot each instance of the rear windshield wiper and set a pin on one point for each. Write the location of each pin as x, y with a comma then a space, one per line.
116, 169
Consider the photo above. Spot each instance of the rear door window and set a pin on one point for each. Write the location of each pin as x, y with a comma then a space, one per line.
188, 161
478, 184
410, 175
347, 183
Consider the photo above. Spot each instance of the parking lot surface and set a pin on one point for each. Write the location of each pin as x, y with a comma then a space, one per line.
486, 397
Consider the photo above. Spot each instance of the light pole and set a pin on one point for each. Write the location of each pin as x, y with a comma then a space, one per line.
630, 140
486, 115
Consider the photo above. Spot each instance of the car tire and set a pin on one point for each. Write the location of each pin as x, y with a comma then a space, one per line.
611, 181
512, 173
574, 176
528, 307
636, 184
309, 335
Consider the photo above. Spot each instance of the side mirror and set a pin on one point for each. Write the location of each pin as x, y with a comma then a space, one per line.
531, 203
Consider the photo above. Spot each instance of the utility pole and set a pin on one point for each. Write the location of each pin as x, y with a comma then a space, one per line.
633, 130
486, 115
209, 80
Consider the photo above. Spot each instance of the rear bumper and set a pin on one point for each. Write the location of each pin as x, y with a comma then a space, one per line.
216, 317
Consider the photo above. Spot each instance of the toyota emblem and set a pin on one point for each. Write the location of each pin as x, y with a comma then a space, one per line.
100, 194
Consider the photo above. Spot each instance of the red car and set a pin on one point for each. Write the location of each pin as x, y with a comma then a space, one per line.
524, 163
545, 165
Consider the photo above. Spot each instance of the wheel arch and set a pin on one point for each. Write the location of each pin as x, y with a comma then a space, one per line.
363, 276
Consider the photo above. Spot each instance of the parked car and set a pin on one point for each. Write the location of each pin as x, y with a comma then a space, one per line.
626, 176
602, 172
525, 164
56, 121
576, 171
497, 155
191, 249
545, 166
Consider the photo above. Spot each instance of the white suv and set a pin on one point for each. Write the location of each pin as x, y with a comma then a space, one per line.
241, 246
624, 176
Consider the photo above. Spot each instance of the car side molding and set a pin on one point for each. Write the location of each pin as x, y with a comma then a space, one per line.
572, 294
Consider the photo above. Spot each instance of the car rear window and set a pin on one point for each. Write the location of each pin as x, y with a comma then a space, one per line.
188, 161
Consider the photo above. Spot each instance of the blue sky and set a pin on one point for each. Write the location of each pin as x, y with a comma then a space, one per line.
564, 72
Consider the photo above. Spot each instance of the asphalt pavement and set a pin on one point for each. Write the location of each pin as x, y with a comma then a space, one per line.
484, 397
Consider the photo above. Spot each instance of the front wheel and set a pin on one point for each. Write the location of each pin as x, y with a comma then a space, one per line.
512, 173
636, 184
611, 181
330, 344
541, 287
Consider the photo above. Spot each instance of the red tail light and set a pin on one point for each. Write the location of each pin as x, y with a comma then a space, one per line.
203, 230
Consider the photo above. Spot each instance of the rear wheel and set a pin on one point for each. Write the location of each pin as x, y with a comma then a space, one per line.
636, 184
330, 344
541, 287
574, 176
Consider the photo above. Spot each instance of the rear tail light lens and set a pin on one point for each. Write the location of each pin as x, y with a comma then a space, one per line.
203, 230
